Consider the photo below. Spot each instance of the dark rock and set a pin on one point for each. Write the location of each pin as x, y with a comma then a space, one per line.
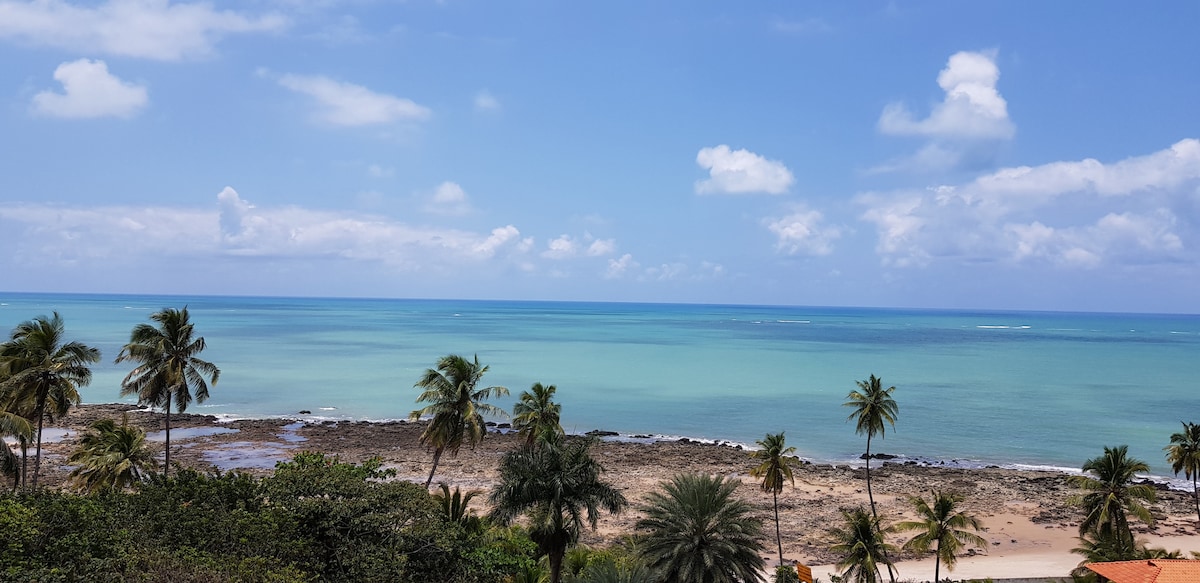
305, 412
878, 456
490, 423
643, 436
504, 426
601, 433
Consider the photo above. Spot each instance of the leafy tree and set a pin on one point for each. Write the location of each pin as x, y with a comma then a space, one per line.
697, 531
456, 405
42, 373
610, 569
111, 456
536, 412
775, 467
1184, 456
19, 427
786, 574
873, 408
557, 485
1110, 495
168, 366
943, 527
456, 507
860, 543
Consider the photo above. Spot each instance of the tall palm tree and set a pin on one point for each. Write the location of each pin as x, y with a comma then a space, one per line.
456, 405
861, 545
944, 527
43, 373
1184, 456
698, 532
775, 467
536, 412
557, 485
168, 366
1110, 494
873, 407
111, 456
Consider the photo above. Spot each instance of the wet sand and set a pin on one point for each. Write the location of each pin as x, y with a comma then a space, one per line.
1029, 526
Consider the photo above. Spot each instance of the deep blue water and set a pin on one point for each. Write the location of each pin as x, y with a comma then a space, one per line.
979, 387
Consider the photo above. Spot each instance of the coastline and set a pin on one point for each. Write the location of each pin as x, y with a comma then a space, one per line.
1030, 528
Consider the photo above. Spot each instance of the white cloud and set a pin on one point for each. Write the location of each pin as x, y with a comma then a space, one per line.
485, 101
617, 268
740, 172
148, 29
601, 247
1077, 213
972, 107
562, 247
449, 199
803, 232
500, 237
347, 104
89, 90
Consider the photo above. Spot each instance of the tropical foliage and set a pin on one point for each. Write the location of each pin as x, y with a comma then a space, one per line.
943, 527
536, 413
860, 543
1184, 456
42, 374
1110, 495
696, 530
167, 366
111, 457
557, 485
774, 468
455, 405
874, 409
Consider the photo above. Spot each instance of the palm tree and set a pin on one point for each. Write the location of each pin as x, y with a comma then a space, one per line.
944, 527
168, 366
19, 427
873, 406
774, 469
456, 507
861, 544
43, 374
1184, 456
456, 405
111, 456
698, 532
536, 412
557, 485
1110, 494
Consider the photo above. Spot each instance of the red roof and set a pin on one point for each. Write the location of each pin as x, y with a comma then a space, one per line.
1149, 571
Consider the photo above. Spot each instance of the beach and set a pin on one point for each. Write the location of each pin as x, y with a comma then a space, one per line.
1029, 526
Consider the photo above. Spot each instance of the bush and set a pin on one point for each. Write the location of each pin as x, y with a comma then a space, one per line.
786, 574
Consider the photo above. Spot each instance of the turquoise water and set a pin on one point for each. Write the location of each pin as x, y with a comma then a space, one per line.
973, 387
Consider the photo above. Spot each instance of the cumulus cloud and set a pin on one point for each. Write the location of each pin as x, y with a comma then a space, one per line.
89, 90
561, 247
972, 107
500, 237
485, 101
449, 199
617, 268
148, 29
741, 172
601, 247
803, 232
1079, 213
347, 104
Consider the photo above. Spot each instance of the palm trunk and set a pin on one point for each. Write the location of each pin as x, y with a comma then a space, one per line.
24, 460
37, 462
1196, 495
778, 537
937, 563
437, 455
870, 496
167, 465
556, 559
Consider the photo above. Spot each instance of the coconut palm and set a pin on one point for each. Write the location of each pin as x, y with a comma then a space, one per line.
873, 408
111, 456
557, 485
456, 507
1110, 494
697, 531
456, 405
15, 426
862, 547
1184, 456
536, 412
775, 467
43, 373
168, 366
943, 527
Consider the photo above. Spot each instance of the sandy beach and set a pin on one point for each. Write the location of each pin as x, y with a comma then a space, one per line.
1029, 526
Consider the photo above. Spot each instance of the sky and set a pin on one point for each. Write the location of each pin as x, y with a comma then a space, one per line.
991, 155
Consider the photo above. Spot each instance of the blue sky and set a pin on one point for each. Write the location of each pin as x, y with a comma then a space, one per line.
1013, 155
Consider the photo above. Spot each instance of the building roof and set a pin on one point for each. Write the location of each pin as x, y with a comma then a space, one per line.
1149, 571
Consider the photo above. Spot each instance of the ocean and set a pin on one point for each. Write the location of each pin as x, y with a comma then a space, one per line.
974, 388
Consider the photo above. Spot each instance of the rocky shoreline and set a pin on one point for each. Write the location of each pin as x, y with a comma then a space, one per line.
1023, 510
